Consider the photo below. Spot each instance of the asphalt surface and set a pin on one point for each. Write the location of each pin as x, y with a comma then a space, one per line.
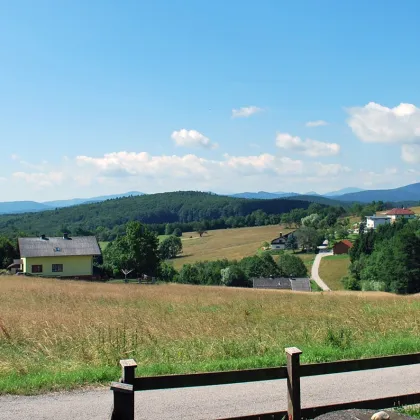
315, 270
216, 402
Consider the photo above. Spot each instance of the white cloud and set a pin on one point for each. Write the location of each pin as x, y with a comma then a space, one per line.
14, 156
308, 147
245, 112
317, 123
192, 138
330, 169
410, 153
379, 124
41, 179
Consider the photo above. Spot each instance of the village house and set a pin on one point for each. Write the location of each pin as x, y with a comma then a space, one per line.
59, 256
342, 247
390, 216
280, 241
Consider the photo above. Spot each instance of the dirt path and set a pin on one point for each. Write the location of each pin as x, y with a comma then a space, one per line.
315, 270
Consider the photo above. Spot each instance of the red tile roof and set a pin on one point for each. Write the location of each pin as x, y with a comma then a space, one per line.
347, 242
399, 212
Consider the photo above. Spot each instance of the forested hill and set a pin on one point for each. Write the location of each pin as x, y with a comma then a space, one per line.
183, 206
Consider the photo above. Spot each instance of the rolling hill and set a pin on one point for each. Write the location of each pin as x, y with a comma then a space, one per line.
182, 206
408, 193
22, 207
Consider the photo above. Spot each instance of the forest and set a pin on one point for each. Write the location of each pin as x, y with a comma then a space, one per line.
387, 259
107, 219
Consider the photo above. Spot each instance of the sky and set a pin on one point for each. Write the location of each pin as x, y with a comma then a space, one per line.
102, 96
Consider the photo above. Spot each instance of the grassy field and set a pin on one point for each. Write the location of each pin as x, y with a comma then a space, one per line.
225, 243
57, 334
332, 269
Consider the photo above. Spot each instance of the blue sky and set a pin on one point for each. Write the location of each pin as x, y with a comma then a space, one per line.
103, 97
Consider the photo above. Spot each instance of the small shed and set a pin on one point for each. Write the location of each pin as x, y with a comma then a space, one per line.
342, 247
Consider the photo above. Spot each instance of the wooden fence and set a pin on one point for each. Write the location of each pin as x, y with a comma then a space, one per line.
124, 390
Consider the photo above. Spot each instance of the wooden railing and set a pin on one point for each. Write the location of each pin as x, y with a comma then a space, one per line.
124, 390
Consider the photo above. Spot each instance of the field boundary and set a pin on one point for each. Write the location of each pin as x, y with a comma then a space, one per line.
124, 390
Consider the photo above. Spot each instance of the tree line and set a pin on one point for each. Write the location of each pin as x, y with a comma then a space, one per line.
387, 259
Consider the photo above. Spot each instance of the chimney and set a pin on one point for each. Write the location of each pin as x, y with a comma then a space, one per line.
65, 236
281, 235
43, 236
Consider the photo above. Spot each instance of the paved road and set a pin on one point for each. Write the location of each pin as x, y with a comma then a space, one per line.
216, 401
315, 270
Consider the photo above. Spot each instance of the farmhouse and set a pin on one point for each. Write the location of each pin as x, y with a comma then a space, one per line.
59, 257
342, 247
403, 213
372, 222
300, 284
280, 241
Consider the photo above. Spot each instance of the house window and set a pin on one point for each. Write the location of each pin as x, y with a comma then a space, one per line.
37, 269
57, 268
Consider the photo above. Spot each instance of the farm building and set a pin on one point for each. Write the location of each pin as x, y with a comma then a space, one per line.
59, 257
390, 216
300, 284
342, 247
280, 241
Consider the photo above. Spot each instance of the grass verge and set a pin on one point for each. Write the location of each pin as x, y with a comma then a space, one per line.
64, 334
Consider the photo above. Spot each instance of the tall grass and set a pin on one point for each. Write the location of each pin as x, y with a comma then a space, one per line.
59, 334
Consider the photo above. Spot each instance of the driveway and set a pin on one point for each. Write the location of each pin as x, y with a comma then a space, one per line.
315, 270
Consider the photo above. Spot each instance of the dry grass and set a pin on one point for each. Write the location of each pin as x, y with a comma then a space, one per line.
416, 209
332, 269
58, 334
225, 243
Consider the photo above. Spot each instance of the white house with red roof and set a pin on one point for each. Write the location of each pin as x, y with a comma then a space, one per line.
390, 216
395, 214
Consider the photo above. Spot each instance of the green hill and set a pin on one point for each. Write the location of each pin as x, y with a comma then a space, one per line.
182, 206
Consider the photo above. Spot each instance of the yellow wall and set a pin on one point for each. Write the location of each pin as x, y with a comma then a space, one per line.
72, 266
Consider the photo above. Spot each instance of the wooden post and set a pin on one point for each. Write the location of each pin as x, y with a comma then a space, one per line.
293, 383
124, 392
128, 370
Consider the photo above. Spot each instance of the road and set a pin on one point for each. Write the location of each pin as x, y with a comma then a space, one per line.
216, 401
315, 270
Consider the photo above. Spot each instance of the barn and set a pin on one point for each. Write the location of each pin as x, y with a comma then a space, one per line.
342, 247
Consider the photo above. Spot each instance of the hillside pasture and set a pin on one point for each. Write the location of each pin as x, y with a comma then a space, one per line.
57, 334
332, 269
225, 243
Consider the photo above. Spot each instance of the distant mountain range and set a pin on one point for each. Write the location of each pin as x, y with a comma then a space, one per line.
33, 206
406, 194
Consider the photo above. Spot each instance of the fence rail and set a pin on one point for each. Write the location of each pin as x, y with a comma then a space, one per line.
129, 384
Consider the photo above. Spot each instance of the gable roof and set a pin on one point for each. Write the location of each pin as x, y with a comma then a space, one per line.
345, 242
301, 284
400, 212
281, 239
55, 247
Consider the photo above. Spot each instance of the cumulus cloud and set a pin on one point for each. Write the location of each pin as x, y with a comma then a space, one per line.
245, 112
317, 123
410, 153
308, 147
330, 169
379, 124
192, 138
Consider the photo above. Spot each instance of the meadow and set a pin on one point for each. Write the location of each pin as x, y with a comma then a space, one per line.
57, 334
332, 269
225, 243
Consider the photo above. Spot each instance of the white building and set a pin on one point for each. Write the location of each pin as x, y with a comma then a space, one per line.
372, 222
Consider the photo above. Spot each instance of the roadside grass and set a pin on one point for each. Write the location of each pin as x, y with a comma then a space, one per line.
232, 244
315, 287
58, 334
332, 269
410, 410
